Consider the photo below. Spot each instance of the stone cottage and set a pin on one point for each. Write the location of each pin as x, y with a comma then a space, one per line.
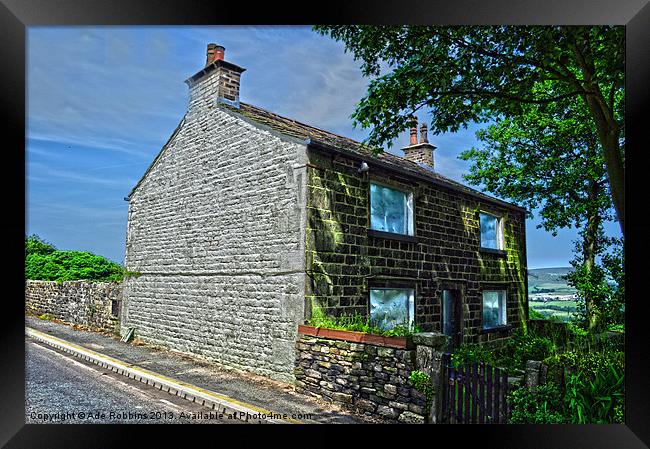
246, 220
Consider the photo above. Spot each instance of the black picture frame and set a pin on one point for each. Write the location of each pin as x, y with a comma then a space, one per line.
16, 15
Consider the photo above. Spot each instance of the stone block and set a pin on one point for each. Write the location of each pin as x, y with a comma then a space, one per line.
342, 397
367, 405
398, 405
388, 412
411, 418
392, 389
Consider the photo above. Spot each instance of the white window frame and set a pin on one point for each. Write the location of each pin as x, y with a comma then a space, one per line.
411, 302
499, 230
409, 213
503, 316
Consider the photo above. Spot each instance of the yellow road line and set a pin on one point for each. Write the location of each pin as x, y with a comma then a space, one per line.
190, 392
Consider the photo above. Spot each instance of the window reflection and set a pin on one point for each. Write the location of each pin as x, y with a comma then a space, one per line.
391, 307
390, 210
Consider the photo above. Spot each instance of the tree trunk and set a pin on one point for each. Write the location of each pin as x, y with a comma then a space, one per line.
609, 134
608, 129
589, 251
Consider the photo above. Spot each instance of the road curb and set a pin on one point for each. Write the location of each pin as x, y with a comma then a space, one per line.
215, 401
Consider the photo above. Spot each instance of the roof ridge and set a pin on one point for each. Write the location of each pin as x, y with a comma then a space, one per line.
295, 128
301, 123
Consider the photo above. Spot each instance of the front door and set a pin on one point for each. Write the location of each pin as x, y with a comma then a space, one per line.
452, 316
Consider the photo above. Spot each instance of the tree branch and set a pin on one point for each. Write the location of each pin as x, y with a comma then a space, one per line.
488, 93
513, 59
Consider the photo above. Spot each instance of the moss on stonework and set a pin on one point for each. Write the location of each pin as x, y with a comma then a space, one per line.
343, 182
339, 258
515, 255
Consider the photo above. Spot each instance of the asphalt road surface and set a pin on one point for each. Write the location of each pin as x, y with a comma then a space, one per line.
60, 388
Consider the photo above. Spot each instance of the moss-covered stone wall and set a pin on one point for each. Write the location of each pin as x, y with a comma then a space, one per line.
344, 260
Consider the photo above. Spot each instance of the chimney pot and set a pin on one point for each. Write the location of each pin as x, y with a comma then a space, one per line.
421, 153
414, 136
219, 52
423, 133
215, 52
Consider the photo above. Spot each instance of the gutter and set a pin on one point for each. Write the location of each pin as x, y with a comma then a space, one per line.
412, 173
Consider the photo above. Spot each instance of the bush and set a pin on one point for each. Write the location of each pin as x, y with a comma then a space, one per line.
588, 364
531, 347
538, 405
596, 398
524, 346
45, 263
34, 245
473, 354
512, 356
421, 381
535, 315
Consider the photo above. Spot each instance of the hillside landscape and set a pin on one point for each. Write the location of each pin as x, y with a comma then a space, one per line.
549, 294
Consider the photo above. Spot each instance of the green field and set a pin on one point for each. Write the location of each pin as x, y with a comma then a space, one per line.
563, 312
550, 282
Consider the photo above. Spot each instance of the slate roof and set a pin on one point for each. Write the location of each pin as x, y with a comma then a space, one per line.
327, 139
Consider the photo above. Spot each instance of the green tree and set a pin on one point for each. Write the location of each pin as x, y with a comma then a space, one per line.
34, 245
477, 74
602, 287
547, 158
44, 262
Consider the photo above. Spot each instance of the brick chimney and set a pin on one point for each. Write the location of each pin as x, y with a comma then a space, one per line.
217, 82
422, 152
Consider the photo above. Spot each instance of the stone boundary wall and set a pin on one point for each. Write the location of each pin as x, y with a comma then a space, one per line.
367, 378
92, 304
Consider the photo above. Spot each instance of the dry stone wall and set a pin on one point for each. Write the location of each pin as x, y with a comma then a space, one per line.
368, 378
92, 304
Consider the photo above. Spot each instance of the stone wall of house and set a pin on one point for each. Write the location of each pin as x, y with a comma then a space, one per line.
216, 229
370, 379
344, 259
92, 304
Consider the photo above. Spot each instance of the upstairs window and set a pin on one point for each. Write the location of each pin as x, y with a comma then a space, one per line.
494, 308
391, 210
390, 307
491, 231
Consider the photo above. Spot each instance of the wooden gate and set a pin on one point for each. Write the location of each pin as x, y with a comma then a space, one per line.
474, 393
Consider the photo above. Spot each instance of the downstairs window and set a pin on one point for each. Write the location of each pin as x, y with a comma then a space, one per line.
390, 307
494, 308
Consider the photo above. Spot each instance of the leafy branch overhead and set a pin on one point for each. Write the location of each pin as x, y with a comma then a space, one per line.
478, 74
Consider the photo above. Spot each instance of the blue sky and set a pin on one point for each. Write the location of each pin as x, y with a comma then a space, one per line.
101, 102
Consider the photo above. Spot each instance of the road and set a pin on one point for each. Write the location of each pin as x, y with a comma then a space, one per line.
60, 388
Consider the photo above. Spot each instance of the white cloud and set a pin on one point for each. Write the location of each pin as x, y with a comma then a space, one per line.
46, 173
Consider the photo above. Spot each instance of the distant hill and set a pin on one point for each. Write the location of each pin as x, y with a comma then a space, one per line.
549, 280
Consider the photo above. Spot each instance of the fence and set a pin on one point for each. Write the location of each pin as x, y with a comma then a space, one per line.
473, 393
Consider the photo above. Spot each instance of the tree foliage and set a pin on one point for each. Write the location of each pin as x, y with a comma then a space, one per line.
44, 262
470, 74
604, 285
546, 159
